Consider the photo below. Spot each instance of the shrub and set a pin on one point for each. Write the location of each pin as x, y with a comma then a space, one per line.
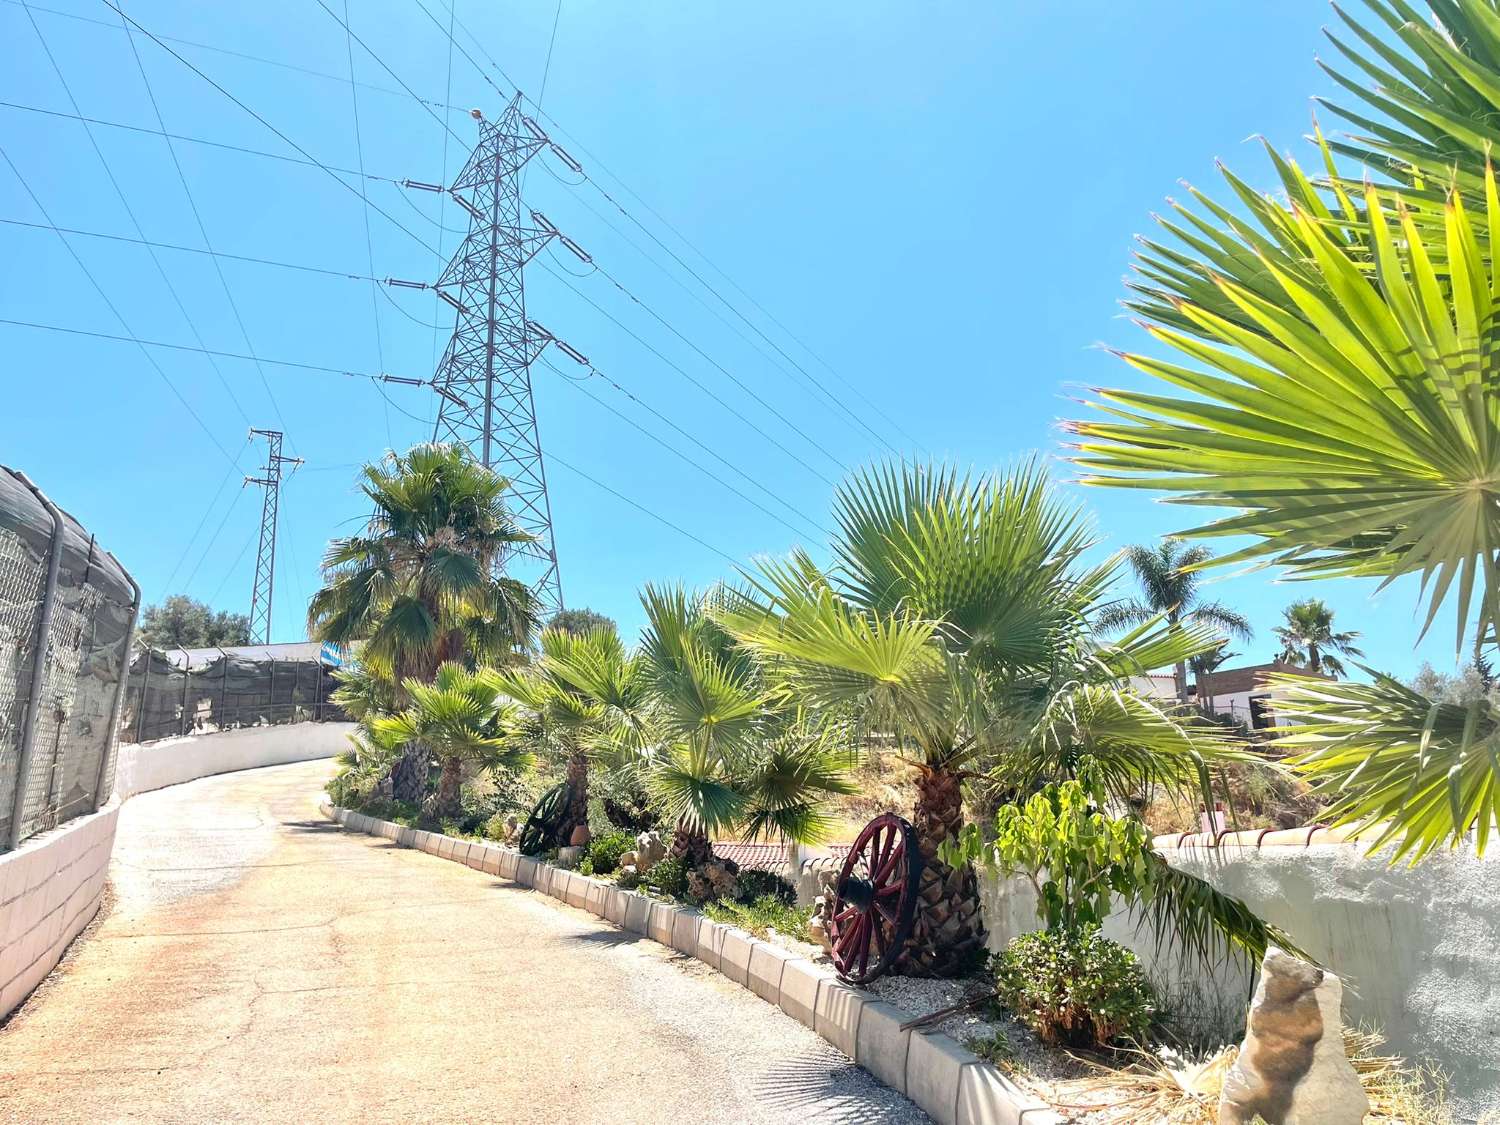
628, 880
669, 877
766, 913
495, 827
1075, 987
605, 851
755, 885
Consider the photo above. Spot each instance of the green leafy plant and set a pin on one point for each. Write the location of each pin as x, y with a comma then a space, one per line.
762, 915
1076, 857
755, 884
604, 851
1076, 987
669, 877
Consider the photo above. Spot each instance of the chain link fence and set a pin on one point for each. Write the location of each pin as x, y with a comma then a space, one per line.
67, 616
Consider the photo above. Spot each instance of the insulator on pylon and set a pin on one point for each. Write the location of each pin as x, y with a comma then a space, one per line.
384, 378
452, 300
444, 392
572, 353
537, 330
418, 185
562, 154
397, 283
467, 206
578, 251
536, 130
542, 221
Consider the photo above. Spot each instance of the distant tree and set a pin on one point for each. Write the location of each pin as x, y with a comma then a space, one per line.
1308, 638
184, 622
1473, 681
577, 621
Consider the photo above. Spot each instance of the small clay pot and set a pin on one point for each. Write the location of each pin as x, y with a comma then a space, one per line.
580, 836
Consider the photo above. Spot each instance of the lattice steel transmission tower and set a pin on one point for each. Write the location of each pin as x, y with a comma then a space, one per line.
484, 378
265, 559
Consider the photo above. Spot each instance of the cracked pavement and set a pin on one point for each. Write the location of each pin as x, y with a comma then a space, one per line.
258, 964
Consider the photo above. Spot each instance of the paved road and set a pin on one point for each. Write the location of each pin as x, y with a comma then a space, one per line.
258, 964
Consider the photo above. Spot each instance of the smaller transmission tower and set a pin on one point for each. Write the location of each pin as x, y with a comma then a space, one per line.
265, 558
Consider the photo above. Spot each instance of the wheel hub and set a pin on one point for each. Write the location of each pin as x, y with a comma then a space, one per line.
857, 892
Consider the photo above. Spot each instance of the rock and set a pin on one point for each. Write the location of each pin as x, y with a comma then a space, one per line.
626, 873
512, 829
649, 851
569, 857
627, 859
580, 836
1291, 1069
819, 933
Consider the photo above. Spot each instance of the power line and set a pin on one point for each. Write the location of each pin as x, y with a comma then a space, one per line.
192, 140
133, 339
364, 197
582, 386
129, 333
342, 274
346, 186
193, 538
237, 54
684, 373
202, 228
546, 67
214, 538
642, 508
130, 211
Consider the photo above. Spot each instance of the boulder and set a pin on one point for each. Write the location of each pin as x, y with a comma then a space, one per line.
649, 851
1291, 1068
627, 859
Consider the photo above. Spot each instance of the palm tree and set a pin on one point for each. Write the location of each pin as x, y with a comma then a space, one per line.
464, 717
584, 692
417, 587
1204, 665
727, 750
1340, 364
955, 619
1308, 640
1169, 579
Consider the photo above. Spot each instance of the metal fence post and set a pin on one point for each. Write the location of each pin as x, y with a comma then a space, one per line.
112, 742
140, 713
39, 662
223, 690
271, 692
187, 679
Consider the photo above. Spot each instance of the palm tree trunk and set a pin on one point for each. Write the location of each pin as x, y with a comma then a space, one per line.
1180, 680
948, 932
409, 775
690, 845
578, 796
450, 782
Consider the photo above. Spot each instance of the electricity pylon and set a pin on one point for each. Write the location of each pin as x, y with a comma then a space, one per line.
265, 558
484, 378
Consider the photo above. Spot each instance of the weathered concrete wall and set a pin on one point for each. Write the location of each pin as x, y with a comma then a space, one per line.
50, 888
1418, 948
154, 765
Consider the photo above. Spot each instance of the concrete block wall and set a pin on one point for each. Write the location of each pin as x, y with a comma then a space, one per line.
155, 765
50, 889
952, 1084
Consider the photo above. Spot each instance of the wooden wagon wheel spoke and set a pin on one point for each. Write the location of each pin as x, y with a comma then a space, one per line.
875, 899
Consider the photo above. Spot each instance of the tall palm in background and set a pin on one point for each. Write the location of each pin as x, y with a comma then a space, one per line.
417, 588
954, 624
1340, 342
1169, 581
1308, 639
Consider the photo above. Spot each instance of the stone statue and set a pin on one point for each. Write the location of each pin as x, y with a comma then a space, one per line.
1292, 1069
649, 851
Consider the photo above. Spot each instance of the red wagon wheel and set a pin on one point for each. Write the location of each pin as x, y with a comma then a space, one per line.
875, 899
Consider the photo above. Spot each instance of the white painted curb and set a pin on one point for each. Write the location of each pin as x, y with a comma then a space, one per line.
955, 1086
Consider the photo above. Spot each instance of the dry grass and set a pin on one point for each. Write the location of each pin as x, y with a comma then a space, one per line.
1148, 1091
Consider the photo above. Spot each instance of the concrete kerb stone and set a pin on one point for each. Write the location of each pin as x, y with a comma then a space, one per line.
934, 1069
492, 857
637, 912
800, 981
663, 918
685, 931
616, 899
836, 1013
735, 951
525, 870
766, 964
477, 854
596, 897
987, 1097
710, 940
880, 1046
578, 890
509, 860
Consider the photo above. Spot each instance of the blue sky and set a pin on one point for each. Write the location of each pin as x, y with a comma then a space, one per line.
938, 200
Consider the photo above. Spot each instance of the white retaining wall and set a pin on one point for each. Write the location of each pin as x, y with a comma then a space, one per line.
155, 765
51, 886
1418, 948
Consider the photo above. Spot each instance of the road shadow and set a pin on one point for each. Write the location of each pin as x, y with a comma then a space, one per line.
312, 826
607, 938
830, 1087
